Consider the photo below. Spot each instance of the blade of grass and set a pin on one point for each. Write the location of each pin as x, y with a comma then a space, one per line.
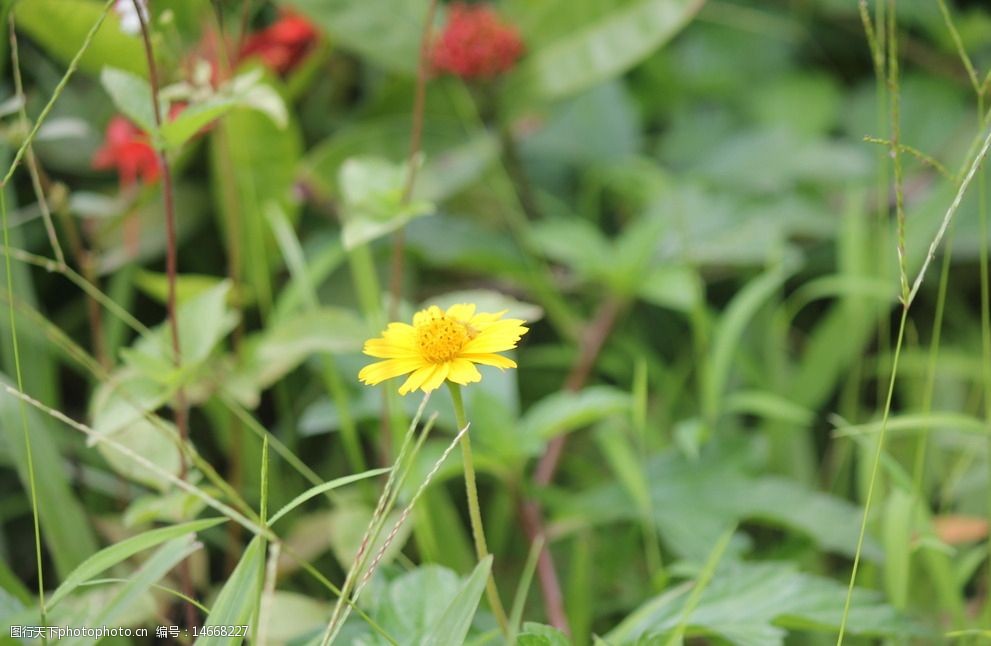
123, 550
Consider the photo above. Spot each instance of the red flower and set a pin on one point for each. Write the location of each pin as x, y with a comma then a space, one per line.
475, 43
283, 44
126, 148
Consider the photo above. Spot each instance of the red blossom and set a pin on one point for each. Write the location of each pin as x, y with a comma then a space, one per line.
283, 44
475, 43
127, 149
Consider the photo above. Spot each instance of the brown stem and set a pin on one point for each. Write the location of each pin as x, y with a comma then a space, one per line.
171, 267
593, 339
415, 140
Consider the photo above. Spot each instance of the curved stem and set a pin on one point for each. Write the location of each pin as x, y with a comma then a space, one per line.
474, 510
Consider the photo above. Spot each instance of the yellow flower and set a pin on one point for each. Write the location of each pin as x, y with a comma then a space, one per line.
441, 345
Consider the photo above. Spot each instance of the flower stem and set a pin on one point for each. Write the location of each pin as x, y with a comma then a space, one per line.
474, 511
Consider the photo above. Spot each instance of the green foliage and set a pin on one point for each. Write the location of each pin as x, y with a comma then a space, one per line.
62, 38
692, 205
752, 604
614, 43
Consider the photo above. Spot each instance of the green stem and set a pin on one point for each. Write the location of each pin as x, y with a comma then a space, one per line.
474, 510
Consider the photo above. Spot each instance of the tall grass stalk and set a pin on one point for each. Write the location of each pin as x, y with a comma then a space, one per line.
875, 470
33, 492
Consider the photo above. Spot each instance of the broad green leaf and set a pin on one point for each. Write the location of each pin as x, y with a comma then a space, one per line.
540, 635
598, 128
566, 411
446, 241
188, 286
237, 599
203, 322
288, 342
676, 287
452, 626
819, 96
372, 192
609, 47
756, 604
155, 441
385, 32
694, 500
123, 550
132, 96
577, 244
295, 616
446, 173
62, 37
417, 600
175, 506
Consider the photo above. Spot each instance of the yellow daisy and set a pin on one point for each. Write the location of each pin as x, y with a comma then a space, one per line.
441, 345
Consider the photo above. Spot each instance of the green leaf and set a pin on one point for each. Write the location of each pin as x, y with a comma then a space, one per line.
609, 47
577, 244
288, 342
151, 571
385, 32
295, 616
246, 90
541, 635
62, 37
754, 604
64, 525
132, 96
372, 192
253, 164
694, 500
123, 550
194, 118
316, 490
676, 287
452, 626
237, 599
188, 286
730, 330
203, 322
566, 411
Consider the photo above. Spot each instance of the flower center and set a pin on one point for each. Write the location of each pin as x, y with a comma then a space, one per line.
441, 339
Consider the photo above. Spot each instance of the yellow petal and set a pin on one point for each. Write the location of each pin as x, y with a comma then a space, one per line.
484, 319
437, 378
497, 337
463, 372
381, 370
398, 341
416, 379
489, 359
423, 316
461, 311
